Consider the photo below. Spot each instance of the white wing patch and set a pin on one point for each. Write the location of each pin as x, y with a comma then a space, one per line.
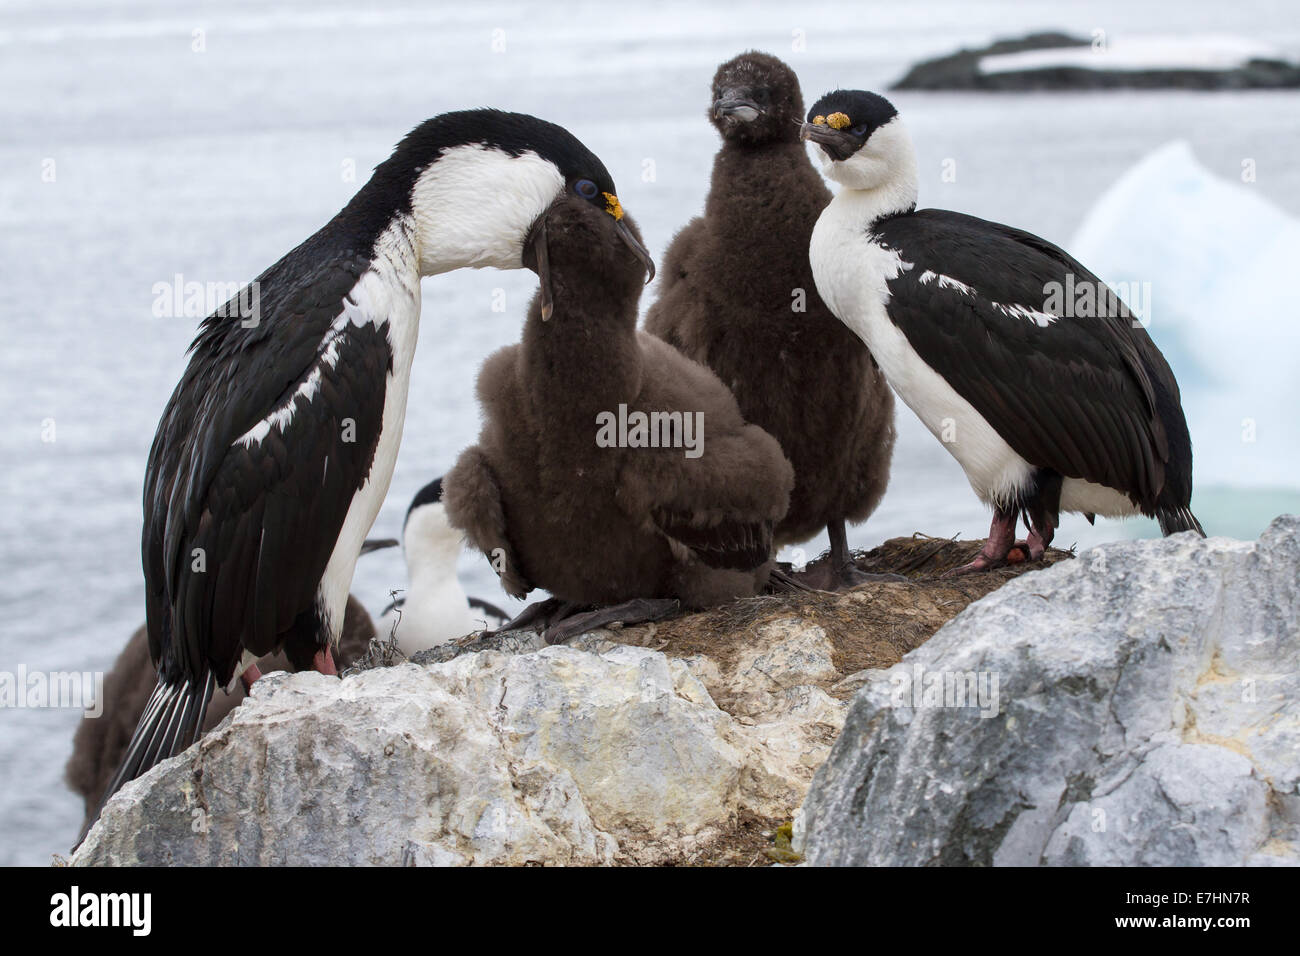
374, 298
306, 390
1037, 316
945, 282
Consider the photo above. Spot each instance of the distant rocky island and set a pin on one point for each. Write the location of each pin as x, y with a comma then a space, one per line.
1058, 61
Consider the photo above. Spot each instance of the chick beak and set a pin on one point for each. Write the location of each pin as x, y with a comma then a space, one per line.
733, 104
638, 250
537, 237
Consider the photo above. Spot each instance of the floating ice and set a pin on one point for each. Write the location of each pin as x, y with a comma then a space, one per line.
1222, 265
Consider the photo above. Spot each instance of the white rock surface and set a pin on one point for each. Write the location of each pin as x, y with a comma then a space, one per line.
589, 753
1149, 714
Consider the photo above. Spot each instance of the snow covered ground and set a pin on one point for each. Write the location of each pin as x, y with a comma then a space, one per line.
135, 148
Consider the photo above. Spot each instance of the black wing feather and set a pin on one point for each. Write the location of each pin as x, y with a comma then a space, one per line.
265, 519
1078, 395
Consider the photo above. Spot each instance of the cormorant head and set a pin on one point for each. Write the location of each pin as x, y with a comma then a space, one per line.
756, 99
477, 182
863, 143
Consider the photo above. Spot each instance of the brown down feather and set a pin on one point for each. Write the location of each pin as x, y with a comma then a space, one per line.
726, 300
587, 523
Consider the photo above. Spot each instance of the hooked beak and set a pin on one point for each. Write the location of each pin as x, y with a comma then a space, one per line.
836, 144
731, 105
638, 250
537, 238
378, 544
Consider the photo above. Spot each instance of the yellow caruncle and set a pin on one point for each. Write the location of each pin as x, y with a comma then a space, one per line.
612, 205
838, 121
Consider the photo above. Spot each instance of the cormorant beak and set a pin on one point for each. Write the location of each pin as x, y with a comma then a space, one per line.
638, 250
378, 544
732, 105
836, 143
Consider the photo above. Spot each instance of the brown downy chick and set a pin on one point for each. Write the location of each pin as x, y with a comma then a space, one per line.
553, 505
738, 295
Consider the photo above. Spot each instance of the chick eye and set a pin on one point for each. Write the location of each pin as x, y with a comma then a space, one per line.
859, 130
761, 97
586, 188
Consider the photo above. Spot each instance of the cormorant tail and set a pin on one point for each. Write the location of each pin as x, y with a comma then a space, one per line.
171, 722
1174, 520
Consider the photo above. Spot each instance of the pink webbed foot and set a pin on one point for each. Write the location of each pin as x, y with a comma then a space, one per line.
323, 662
250, 676
997, 549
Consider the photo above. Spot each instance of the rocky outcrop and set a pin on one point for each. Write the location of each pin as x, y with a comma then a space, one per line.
1134, 63
588, 754
1138, 706
685, 741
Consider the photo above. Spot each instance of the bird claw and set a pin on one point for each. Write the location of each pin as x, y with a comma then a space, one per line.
637, 611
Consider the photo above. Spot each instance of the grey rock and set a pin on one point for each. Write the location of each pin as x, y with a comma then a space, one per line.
498, 751
1138, 706
961, 71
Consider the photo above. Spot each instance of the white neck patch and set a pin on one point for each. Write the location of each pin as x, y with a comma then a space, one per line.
884, 166
473, 207
430, 543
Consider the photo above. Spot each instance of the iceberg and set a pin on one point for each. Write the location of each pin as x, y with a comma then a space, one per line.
1217, 260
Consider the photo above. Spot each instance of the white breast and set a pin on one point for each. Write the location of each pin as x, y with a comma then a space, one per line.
389, 290
436, 609
851, 272
430, 616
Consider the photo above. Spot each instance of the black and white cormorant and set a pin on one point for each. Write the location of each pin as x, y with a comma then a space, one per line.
276, 449
1045, 408
434, 608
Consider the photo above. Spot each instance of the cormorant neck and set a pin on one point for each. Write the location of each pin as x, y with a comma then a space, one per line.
872, 205
431, 546
470, 208
882, 176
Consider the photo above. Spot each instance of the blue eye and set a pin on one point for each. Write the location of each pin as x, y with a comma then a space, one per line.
585, 188
860, 130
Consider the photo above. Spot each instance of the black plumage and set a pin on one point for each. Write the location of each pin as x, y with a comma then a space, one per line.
1086, 397
1064, 399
